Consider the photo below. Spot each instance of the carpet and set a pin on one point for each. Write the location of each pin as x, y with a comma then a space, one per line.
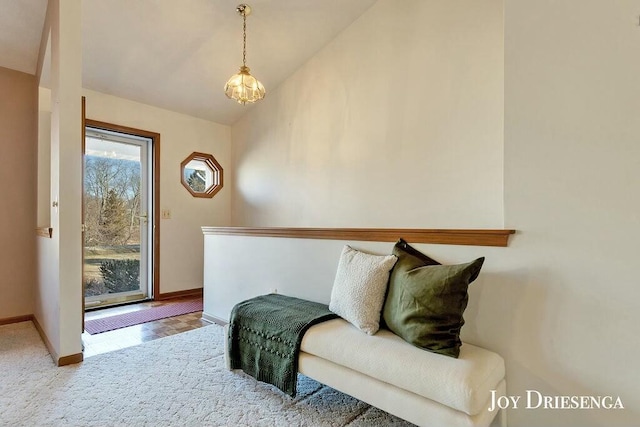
97, 326
179, 380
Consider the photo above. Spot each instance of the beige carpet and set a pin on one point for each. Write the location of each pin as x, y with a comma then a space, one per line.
174, 381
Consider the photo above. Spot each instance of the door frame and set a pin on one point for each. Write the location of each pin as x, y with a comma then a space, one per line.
155, 156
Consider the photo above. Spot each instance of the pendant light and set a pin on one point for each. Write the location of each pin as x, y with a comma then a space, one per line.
243, 87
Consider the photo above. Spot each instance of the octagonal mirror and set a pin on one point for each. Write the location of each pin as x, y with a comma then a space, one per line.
201, 175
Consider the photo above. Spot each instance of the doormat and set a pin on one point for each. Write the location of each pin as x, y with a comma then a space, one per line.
97, 326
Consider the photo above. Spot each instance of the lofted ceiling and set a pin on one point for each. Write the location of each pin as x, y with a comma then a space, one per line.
21, 25
178, 55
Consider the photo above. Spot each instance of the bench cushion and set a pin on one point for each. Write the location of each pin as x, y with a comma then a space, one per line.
463, 384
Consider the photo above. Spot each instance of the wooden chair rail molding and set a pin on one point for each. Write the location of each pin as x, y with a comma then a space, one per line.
416, 235
44, 232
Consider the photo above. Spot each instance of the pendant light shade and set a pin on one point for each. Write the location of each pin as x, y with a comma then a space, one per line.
243, 87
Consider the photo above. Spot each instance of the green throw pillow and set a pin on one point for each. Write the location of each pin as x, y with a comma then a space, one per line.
426, 300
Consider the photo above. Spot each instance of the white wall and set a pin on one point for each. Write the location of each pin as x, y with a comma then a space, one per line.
241, 267
559, 302
181, 242
397, 122
572, 167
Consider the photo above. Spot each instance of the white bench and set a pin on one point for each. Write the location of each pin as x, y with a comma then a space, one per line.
383, 370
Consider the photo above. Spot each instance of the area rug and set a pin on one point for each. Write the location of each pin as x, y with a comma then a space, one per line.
97, 326
179, 380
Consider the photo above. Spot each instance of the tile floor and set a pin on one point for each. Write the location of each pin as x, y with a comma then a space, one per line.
137, 334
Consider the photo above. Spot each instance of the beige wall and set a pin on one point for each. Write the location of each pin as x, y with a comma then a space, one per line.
396, 123
559, 302
181, 241
18, 145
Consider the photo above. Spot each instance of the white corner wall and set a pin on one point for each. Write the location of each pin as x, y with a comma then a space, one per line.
336, 146
181, 241
572, 168
396, 123
47, 292
58, 296
66, 138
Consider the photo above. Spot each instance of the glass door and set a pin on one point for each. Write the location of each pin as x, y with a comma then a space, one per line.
117, 218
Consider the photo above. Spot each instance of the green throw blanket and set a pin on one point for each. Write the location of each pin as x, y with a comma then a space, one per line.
265, 335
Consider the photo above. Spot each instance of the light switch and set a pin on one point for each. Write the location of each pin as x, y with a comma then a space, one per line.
166, 214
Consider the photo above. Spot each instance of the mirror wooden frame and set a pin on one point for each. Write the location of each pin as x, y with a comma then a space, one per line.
215, 167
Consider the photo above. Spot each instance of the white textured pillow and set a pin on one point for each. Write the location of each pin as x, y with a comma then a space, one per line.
360, 287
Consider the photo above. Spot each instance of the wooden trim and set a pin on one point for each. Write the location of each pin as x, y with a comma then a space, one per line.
71, 359
16, 319
212, 163
119, 128
45, 232
155, 137
180, 294
436, 236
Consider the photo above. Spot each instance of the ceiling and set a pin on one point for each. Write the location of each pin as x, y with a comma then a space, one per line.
20, 32
178, 55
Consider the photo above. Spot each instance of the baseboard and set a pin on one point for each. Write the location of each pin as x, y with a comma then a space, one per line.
179, 294
16, 319
213, 319
59, 361
72, 359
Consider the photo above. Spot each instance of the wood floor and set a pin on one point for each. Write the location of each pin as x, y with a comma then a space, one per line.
137, 334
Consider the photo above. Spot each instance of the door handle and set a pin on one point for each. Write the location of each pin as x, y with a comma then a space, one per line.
144, 218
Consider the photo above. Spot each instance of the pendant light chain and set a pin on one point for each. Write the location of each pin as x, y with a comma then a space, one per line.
243, 87
244, 39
